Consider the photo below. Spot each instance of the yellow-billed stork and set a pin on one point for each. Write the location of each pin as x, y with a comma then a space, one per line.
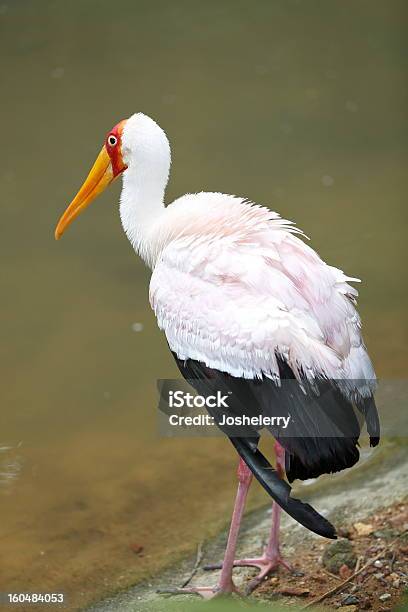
246, 306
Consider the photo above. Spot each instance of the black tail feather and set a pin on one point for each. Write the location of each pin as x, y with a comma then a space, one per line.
321, 436
279, 490
368, 408
310, 457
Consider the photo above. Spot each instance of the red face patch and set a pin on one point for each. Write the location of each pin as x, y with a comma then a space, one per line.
113, 144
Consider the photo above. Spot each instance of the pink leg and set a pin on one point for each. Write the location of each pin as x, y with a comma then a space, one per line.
226, 584
271, 559
272, 550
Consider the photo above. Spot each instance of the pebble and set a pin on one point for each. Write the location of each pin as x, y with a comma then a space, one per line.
337, 554
350, 600
378, 563
385, 597
344, 572
363, 529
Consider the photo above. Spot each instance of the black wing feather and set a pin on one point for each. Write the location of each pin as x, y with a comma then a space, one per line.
252, 398
321, 437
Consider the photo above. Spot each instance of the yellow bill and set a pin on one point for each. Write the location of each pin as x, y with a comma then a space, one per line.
100, 176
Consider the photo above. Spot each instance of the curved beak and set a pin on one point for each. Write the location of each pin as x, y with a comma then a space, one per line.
100, 176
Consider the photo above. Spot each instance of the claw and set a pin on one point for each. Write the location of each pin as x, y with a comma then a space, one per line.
266, 567
264, 564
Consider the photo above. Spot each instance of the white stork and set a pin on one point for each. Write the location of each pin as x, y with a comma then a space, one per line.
246, 306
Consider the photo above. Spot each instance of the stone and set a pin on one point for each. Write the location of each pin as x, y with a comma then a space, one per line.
350, 600
385, 597
339, 553
344, 572
363, 529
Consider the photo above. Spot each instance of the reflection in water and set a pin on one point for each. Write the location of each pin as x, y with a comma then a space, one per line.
11, 464
292, 104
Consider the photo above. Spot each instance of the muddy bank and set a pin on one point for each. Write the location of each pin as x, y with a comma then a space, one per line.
361, 495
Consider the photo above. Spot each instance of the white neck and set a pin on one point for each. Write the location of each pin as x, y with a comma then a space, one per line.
146, 152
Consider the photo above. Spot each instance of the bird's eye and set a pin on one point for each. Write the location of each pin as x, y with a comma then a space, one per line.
112, 140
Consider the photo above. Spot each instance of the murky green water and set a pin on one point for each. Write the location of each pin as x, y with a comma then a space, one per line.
299, 105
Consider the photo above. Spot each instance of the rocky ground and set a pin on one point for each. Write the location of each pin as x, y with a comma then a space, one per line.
366, 569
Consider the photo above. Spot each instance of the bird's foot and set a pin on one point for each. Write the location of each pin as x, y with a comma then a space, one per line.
266, 565
206, 592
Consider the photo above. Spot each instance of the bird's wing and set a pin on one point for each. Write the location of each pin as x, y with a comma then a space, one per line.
238, 302
244, 400
238, 310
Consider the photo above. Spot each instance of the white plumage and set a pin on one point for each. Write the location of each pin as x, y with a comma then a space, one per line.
233, 285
